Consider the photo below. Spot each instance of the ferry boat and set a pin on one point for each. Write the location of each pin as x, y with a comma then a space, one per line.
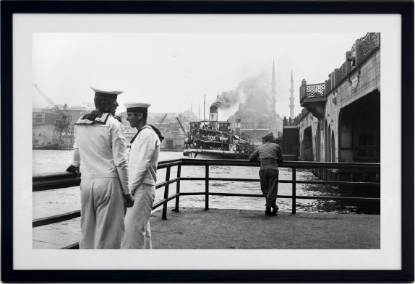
211, 144
215, 139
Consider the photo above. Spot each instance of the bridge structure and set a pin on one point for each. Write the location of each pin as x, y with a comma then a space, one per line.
340, 120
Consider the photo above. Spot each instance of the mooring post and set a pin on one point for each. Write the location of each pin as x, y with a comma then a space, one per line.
166, 193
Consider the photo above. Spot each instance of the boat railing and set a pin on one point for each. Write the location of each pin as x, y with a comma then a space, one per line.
64, 180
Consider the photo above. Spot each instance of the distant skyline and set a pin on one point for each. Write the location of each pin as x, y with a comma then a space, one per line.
173, 71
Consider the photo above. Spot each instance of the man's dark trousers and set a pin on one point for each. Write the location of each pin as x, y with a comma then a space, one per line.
269, 185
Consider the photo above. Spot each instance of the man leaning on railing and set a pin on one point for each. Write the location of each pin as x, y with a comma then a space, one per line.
270, 155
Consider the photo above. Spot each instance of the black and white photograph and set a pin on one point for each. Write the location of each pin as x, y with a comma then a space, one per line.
218, 104
207, 142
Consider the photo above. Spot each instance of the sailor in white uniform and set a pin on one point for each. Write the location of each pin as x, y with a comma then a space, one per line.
99, 153
142, 166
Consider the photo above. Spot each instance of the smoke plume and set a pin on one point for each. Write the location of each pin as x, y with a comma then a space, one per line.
227, 100
252, 92
254, 100
250, 100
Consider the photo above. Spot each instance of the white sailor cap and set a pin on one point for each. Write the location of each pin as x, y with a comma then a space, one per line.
102, 93
136, 107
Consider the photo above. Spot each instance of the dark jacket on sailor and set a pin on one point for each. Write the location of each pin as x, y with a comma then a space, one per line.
269, 154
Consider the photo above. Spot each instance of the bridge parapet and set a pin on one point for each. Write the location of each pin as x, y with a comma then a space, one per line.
312, 91
366, 45
314, 96
359, 53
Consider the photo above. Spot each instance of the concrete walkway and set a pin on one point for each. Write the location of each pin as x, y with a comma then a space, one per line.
243, 229
195, 228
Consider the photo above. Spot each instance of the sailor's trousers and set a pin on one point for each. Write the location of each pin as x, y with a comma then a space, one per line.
102, 213
137, 226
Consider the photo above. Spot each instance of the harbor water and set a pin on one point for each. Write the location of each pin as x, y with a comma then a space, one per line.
59, 201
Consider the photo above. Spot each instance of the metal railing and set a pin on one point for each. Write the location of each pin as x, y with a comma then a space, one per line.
312, 91
361, 51
69, 179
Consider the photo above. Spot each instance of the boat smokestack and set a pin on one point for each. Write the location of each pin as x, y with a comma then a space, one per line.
238, 126
213, 117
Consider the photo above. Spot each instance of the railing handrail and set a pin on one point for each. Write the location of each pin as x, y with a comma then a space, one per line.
53, 176
69, 179
315, 84
62, 180
290, 164
361, 55
161, 164
231, 162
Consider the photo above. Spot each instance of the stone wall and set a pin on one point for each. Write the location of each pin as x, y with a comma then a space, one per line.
42, 135
360, 82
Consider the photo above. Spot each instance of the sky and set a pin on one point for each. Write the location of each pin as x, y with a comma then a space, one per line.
174, 71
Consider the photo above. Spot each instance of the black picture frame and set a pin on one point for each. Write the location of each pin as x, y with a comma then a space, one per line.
404, 8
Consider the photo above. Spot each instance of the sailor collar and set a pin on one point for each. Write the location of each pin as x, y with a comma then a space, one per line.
138, 132
93, 118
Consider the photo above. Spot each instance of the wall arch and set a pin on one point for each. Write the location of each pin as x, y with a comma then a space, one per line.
325, 141
318, 142
329, 143
333, 148
307, 144
359, 130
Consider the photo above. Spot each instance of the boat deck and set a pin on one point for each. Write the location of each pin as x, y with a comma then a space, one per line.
195, 228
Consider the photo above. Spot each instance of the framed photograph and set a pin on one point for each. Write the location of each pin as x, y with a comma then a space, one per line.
308, 104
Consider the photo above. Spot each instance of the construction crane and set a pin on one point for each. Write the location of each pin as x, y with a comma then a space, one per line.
159, 124
62, 133
187, 138
161, 120
181, 126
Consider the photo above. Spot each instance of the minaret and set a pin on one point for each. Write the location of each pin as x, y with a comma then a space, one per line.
292, 97
273, 92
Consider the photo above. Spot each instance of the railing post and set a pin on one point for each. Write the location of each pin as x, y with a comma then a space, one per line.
294, 192
207, 187
166, 193
179, 169
303, 90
